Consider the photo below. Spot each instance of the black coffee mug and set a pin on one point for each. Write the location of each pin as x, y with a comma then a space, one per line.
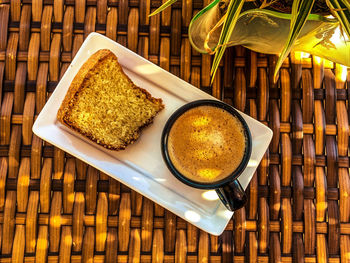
228, 189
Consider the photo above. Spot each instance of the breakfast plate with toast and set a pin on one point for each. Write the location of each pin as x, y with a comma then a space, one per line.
131, 151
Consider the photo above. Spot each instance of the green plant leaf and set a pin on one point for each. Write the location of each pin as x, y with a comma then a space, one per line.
346, 3
163, 6
300, 11
341, 10
233, 12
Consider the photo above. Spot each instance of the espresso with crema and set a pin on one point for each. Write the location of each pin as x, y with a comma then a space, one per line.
206, 144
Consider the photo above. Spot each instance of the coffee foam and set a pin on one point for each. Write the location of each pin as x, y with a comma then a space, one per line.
206, 144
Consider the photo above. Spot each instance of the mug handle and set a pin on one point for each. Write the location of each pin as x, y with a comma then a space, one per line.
232, 195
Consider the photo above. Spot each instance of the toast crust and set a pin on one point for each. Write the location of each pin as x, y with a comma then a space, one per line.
77, 85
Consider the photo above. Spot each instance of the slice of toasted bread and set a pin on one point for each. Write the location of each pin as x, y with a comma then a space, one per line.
103, 104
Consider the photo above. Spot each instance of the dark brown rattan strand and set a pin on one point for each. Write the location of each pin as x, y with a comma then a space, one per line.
55, 207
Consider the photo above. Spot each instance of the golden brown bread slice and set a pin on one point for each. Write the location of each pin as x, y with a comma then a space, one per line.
103, 104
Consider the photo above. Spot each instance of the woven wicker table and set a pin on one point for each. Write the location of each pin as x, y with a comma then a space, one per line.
56, 208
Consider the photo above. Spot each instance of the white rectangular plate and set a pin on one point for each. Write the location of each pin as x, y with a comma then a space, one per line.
141, 166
